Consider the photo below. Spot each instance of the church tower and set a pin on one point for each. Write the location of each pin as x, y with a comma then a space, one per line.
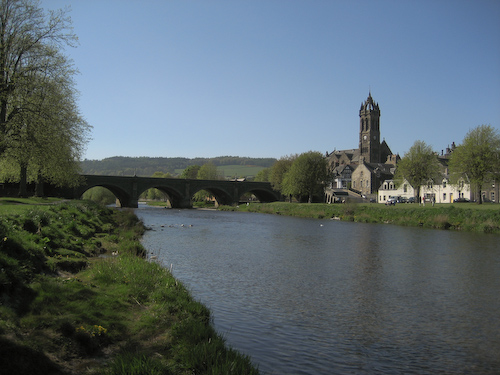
369, 132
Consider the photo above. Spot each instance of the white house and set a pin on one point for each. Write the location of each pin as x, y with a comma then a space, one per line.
444, 192
389, 189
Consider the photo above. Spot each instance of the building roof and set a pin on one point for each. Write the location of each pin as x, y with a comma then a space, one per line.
381, 169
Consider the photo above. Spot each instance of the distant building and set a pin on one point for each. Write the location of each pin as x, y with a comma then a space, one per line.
364, 169
490, 193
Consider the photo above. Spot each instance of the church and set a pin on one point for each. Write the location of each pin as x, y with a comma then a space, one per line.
362, 170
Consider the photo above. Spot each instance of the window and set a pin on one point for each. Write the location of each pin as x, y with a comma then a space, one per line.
492, 196
429, 185
444, 184
405, 188
444, 197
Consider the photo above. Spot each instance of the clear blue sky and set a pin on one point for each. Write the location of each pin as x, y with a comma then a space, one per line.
269, 78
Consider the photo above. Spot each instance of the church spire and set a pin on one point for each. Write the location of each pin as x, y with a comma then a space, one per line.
369, 132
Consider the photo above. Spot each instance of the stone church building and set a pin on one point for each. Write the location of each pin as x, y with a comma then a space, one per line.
363, 170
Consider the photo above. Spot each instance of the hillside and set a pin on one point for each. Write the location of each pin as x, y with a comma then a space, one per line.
146, 166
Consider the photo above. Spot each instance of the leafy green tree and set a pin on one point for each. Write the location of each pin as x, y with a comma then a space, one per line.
46, 139
208, 171
28, 40
278, 171
191, 172
477, 158
307, 176
419, 165
263, 175
41, 130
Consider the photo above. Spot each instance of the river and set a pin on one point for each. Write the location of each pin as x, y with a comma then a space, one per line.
307, 296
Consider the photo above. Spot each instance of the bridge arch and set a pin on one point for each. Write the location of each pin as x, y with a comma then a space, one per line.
122, 197
222, 196
175, 197
262, 195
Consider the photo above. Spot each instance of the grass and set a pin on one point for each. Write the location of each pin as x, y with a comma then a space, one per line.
78, 296
27, 201
18, 205
483, 218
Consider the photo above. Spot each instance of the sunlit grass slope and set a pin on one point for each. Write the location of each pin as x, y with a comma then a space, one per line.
77, 296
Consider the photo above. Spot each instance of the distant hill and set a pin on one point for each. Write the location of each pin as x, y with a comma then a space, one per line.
146, 166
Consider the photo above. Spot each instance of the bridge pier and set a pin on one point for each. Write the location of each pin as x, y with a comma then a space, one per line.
131, 203
185, 202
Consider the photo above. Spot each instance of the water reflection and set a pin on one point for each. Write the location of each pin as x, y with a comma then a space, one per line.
323, 297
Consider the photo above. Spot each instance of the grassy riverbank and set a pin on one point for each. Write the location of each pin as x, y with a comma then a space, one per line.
483, 218
78, 297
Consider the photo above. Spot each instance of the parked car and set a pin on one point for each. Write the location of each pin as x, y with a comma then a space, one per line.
391, 201
411, 200
460, 200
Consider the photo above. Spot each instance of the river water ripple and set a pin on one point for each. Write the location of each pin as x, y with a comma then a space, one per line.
304, 296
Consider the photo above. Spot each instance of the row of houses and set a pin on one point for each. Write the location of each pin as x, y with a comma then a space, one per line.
368, 171
439, 192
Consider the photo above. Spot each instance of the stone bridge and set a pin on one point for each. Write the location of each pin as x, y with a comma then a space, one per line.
180, 191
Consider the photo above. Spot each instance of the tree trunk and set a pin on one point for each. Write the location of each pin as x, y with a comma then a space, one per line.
479, 188
23, 191
3, 121
39, 185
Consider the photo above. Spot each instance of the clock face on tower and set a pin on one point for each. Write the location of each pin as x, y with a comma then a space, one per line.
364, 137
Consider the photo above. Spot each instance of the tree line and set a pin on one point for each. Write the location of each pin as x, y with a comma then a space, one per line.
42, 133
147, 166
